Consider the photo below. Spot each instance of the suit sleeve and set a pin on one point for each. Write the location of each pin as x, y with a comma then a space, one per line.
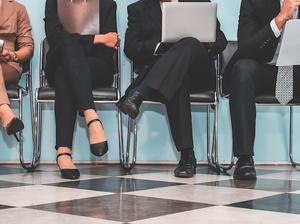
255, 41
54, 29
220, 44
137, 49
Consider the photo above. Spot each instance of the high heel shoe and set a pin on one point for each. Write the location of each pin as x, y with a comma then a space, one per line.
71, 174
101, 148
14, 126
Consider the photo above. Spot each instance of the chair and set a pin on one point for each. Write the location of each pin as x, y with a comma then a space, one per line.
261, 100
16, 93
46, 94
206, 98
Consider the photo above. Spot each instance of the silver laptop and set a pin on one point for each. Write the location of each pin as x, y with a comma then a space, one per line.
189, 19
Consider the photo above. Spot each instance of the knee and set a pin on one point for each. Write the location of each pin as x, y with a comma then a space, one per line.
244, 72
192, 42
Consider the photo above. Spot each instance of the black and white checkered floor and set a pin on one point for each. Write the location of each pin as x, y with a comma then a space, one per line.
150, 194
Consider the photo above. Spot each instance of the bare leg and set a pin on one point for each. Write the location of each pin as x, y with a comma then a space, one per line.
96, 131
7, 74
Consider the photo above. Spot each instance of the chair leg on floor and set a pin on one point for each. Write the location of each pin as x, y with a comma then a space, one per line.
211, 149
26, 166
291, 154
220, 167
125, 160
38, 132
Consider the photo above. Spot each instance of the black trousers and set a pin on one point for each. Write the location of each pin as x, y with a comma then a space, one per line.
74, 80
187, 66
249, 79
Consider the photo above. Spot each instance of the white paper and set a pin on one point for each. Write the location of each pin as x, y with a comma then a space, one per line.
289, 53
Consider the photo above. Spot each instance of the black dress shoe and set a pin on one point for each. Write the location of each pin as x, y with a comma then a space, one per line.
14, 126
71, 174
131, 104
186, 167
245, 169
101, 148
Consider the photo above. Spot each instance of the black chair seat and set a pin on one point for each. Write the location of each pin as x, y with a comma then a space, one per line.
100, 94
13, 91
270, 99
203, 97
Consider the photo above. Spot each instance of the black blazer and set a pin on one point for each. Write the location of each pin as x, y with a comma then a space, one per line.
256, 40
55, 33
144, 32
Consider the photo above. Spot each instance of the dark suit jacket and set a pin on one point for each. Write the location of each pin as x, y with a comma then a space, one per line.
55, 33
256, 40
144, 32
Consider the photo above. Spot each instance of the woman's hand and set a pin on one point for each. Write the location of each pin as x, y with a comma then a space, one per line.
5, 56
111, 40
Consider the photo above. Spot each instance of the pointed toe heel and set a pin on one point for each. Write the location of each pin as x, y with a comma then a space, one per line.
101, 148
14, 126
70, 174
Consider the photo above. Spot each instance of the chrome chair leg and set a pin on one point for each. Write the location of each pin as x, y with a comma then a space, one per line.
291, 154
125, 160
210, 148
38, 133
221, 167
30, 167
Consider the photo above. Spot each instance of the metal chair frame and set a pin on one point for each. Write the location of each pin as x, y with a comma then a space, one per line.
39, 103
291, 128
212, 151
26, 91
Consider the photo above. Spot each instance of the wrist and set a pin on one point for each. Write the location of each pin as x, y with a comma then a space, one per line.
280, 20
98, 39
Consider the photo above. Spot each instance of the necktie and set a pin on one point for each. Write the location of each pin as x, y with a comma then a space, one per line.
285, 82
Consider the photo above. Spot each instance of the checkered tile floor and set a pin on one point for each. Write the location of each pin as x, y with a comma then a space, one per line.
149, 194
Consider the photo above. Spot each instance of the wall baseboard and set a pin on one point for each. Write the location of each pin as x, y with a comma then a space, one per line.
115, 162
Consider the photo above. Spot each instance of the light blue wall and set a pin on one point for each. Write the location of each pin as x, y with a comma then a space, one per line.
154, 138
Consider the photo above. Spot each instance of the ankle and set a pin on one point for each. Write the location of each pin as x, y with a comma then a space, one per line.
245, 157
64, 150
89, 115
188, 153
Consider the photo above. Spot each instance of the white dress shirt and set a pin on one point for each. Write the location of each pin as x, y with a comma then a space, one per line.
277, 32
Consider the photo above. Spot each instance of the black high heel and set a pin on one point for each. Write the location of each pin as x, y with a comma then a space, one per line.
101, 148
71, 174
14, 126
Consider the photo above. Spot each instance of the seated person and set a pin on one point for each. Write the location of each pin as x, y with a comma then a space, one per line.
170, 78
77, 63
17, 47
252, 71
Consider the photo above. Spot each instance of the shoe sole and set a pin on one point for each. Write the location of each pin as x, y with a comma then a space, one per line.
244, 178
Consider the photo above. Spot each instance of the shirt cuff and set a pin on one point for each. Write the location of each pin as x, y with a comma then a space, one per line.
157, 46
276, 30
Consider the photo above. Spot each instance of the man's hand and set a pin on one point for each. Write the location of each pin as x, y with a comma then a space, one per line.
111, 40
288, 9
5, 56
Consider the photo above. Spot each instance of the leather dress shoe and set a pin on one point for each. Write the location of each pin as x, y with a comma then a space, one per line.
131, 104
245, 169
186, 167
